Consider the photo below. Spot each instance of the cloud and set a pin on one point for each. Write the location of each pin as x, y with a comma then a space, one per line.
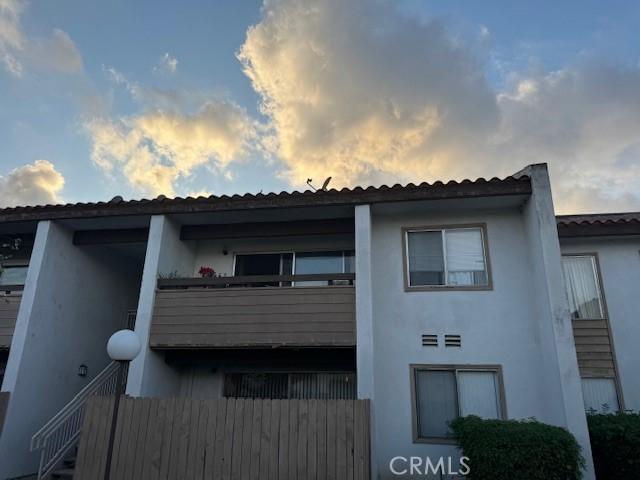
37, 183
166, 64
55, 53
367, 94
357, 90
155, 149
11, 37
585, 122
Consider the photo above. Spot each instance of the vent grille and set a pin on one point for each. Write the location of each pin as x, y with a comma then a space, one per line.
452, 341
429, 340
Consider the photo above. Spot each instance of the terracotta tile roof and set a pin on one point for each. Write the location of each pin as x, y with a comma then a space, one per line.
357, 195
599, 218
599, 224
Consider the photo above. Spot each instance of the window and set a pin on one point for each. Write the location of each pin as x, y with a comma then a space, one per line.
441, 394
599, 394
582, 285
446, 257
300, 263
301, 385
264, 264
323, 262
13, 274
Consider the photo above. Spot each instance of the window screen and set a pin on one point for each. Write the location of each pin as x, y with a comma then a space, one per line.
426, 258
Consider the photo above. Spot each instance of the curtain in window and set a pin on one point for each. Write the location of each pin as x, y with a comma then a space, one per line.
465, 257
426, 260
478, 394
599, 394
436, 402
582, 287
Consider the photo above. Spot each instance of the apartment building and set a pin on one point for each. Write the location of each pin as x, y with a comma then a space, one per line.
430, 301
601, 263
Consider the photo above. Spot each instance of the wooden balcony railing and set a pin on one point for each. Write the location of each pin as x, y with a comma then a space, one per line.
255, 280
255, 311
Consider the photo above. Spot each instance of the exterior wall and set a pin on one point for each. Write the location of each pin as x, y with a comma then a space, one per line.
503, 316
504, 326
619, 259
552, 308
73, 300
149, 374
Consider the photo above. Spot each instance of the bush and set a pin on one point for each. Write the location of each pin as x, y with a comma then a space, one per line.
523, 450
615, 444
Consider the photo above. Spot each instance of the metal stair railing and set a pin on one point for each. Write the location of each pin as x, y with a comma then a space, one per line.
60, 434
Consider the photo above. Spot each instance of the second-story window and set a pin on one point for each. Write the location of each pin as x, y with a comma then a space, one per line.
298, 263
13, 274
323, 262
445, 257
583, 288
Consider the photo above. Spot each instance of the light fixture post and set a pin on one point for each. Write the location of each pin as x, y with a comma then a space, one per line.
123, 346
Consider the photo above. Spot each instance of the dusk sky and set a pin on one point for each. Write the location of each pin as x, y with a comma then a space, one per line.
141, 98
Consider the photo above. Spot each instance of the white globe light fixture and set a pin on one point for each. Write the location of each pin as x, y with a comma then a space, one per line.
123, 346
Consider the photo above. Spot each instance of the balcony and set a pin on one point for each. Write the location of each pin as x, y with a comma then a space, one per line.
9, 305
315, 310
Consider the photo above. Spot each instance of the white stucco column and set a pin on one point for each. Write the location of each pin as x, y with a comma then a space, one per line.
73, 300
166, 254
364, 308
555, 319
364, 319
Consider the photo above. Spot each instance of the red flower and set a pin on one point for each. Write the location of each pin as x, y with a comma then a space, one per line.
207, 272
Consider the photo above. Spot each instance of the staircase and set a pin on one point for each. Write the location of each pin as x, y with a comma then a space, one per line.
57, 440
66, 470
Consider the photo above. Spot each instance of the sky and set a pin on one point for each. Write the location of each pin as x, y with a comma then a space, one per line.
144, 98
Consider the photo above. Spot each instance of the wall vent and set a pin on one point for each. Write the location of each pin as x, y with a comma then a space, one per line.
429, 340
452, 341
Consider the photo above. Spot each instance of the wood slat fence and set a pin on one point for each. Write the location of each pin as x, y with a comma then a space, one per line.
184, 438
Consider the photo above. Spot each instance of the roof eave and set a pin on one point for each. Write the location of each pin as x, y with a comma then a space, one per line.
356, 196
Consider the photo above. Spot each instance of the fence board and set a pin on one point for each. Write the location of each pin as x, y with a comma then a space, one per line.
223, 439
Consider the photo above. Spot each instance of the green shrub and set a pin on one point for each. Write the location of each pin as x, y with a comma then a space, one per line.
615, 444
523, 450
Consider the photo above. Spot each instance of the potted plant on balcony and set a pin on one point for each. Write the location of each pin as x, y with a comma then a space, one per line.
209, 272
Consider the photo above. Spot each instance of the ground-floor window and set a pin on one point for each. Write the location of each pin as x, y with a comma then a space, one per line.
291, 385
443, 393
600, 395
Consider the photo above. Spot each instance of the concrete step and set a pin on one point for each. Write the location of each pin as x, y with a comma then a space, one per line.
63, 473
